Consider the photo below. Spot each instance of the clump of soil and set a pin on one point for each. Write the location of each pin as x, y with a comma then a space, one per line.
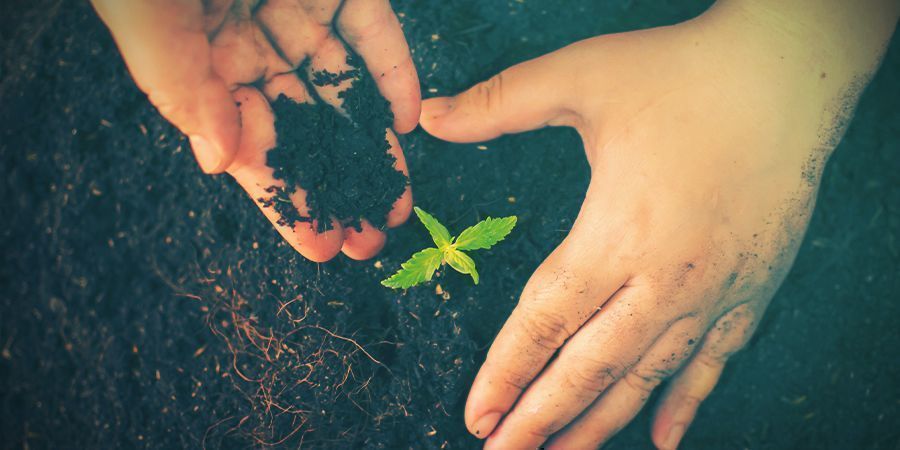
341, 162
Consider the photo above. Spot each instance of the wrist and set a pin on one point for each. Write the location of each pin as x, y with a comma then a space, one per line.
807, 60
844, 39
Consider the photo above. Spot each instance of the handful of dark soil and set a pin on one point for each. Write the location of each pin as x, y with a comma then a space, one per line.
342, 163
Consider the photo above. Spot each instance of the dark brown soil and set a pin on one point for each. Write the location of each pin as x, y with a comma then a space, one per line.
342, 163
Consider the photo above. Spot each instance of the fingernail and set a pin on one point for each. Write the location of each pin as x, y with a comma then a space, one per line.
208, 156
436, 107
674, 437
486, 424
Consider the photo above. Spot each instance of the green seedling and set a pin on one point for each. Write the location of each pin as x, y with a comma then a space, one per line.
449, 250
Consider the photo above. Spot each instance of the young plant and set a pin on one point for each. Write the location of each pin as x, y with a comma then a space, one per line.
421, 265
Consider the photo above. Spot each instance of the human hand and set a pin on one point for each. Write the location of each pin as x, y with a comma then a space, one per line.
196, 59
706, 142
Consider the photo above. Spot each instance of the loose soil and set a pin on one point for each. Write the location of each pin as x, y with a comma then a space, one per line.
144, 304
341, 162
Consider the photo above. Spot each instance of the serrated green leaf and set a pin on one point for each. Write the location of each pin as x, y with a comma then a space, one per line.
485, 234
419, 268
461, 262
439, 233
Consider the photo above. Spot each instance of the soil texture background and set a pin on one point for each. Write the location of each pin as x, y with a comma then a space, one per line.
144, 304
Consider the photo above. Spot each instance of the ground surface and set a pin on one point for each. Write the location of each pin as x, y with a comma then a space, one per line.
143, 304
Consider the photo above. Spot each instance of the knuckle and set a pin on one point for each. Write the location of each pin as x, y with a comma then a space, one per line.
711, 359
645, 380
593, 376
489, 93
364, 28
543, 430
174, 111
691, 399
366, 24
516, 379
546, 329
720, 347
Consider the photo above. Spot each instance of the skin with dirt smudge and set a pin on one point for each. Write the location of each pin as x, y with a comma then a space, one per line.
197, 59
706, 142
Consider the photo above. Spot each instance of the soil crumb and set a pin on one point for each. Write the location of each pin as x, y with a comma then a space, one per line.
341, 162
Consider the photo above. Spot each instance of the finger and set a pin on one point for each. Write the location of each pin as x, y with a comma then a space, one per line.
598, 355
252, 173
297, 28
332, 57
371, 28
524, 97
402, 207
698, 378
241, 53
288, 84
562, 294
363, 243
168, 54
621, 402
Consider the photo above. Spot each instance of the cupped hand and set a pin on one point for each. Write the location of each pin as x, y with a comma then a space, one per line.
198, 60
706, 141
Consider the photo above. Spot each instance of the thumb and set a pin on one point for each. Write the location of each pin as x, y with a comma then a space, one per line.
526, 96
167, 51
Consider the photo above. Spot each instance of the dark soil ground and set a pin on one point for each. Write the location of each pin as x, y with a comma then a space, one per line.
144, 304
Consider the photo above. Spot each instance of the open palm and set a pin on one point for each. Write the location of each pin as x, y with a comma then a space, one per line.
198, 60
706, 142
